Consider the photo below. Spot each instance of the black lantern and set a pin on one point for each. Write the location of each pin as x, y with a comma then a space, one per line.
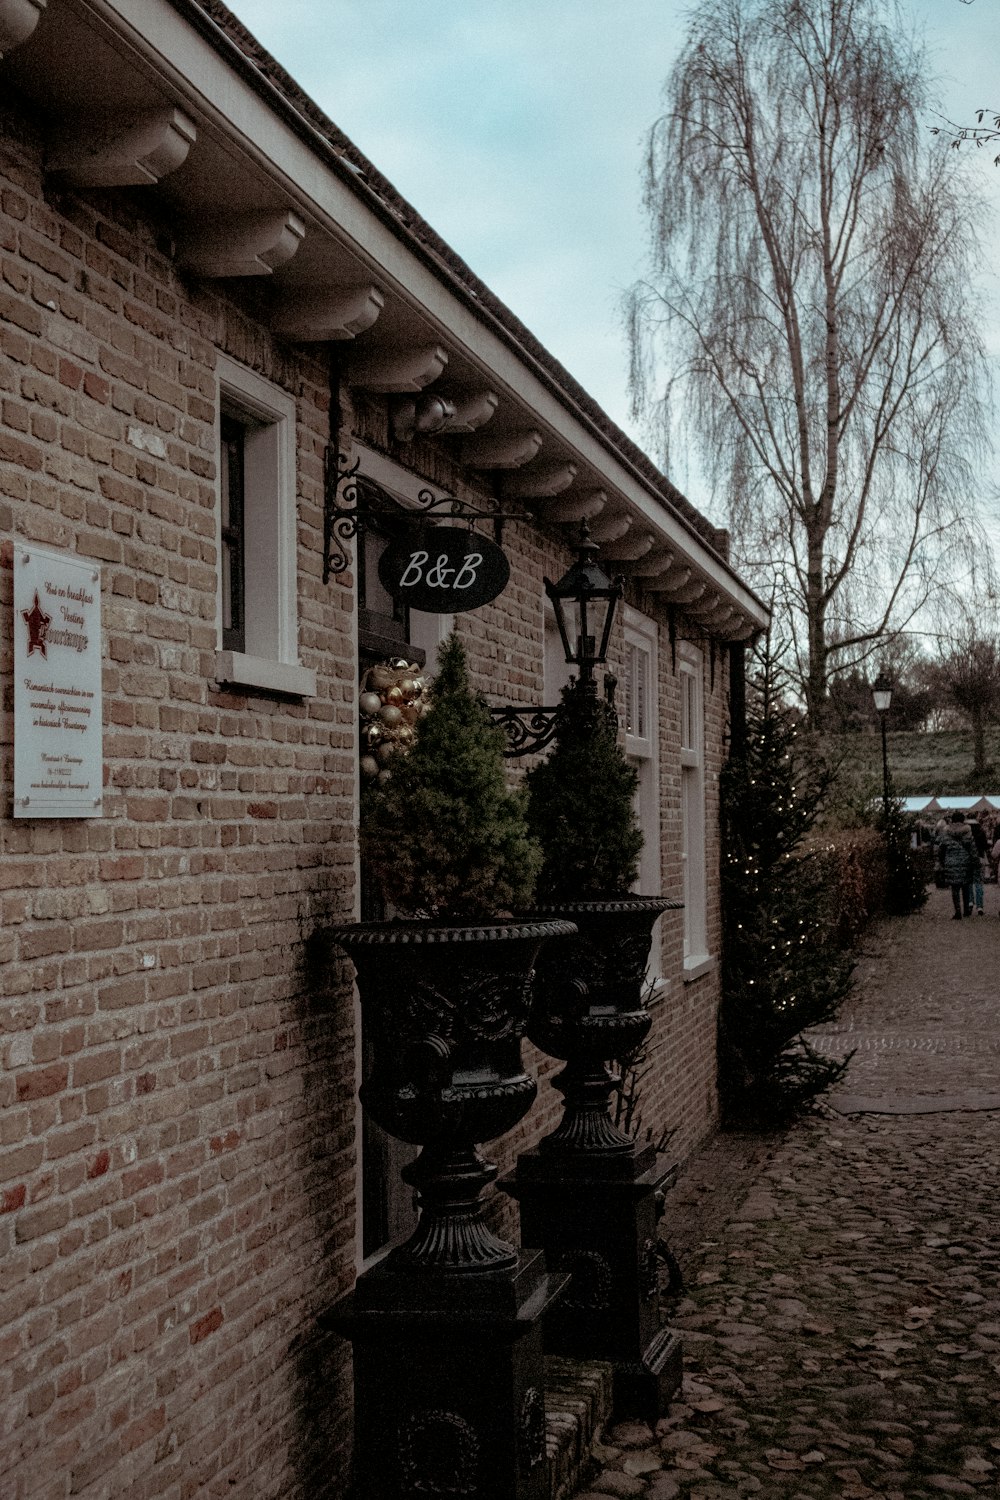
882, 694
584, 600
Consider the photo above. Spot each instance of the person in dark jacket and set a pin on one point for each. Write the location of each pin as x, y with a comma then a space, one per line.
981, 852
956, 853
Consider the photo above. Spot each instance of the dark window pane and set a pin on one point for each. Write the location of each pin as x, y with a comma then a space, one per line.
232, 559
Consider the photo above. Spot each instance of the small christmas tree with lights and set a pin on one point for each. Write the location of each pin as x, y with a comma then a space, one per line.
782, 973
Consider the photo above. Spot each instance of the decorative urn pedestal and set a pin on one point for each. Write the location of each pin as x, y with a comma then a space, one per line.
588, 1193
447, 1329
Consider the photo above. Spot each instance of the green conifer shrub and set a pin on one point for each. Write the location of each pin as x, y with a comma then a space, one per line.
444, 837
782, 969
581, 805
906, 874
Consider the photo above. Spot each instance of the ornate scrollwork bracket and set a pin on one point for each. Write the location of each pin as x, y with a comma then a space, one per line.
351, 498
530, 730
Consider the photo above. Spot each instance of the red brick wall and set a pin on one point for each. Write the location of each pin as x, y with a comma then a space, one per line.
177, 1109
177, 1117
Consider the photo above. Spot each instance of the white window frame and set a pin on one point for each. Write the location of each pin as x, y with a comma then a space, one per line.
691, 674
270, 658
642, 751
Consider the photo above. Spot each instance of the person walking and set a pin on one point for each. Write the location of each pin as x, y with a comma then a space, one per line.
981, 852
956, 853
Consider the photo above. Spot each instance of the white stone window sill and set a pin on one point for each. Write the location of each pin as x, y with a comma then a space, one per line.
270, 676
658, 992
697, 965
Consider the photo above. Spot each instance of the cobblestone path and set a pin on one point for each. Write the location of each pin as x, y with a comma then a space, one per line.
841, 1315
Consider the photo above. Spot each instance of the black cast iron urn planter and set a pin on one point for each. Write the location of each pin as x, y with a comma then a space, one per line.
447, 1007
590, 1008
447, 1328
589, 1194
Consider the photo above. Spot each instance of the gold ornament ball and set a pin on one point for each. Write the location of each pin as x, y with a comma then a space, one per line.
385, 752
390, 715
374, 733
405, 734
369, 767
407, 688
384, 776
394, 695
369, 704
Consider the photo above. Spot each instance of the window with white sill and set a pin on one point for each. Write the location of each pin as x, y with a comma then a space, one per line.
693, 806
257, 595
637, 701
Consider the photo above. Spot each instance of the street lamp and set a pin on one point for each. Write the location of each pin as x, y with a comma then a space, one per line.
882, 694
584, 601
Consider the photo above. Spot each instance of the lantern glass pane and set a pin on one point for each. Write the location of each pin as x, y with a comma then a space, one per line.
571, 626
605, 617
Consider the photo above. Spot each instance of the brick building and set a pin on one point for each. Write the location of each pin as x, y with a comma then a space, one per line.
206, 295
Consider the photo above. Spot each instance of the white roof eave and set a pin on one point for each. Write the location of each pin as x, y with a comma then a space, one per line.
346, 209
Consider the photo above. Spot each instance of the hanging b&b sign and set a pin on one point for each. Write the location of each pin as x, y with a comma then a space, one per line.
445, 570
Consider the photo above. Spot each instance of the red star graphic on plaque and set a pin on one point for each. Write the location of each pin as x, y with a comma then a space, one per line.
38, 623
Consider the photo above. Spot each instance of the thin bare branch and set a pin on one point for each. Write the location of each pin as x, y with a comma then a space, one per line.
808, 321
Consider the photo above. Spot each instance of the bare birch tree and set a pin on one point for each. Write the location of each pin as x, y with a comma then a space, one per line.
808, 320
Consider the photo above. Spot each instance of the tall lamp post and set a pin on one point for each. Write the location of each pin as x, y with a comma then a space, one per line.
882, 694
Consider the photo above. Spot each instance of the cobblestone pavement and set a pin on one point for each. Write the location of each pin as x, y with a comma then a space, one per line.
841, 1316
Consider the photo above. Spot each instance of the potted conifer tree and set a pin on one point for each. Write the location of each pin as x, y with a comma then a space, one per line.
588, 1193
447, 1328
445, 982
590, 1007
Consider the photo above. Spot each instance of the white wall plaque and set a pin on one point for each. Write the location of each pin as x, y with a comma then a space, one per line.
58, 733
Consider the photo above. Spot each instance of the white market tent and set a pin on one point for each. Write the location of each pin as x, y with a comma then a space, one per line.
917, 804
969, 803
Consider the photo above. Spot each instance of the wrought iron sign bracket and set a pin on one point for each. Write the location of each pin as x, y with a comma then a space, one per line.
530, 730
350, 499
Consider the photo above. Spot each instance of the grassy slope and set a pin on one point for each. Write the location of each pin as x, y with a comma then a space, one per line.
919, 764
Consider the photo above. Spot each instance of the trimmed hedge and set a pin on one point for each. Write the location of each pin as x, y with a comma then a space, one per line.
856, 881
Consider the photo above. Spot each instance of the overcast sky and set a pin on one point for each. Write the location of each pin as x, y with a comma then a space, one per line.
516, 129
